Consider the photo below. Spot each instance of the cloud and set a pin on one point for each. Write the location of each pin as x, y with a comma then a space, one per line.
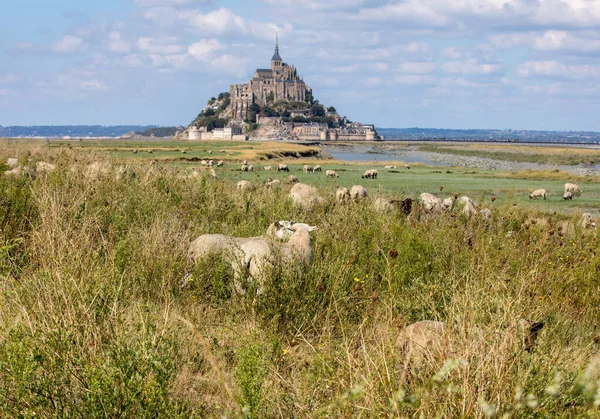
169, 2
554, 40
470, 66
414, 79
9, 78
160, 46
554, 68
418, 67
317, 4
116, 44
204, 50
69, 44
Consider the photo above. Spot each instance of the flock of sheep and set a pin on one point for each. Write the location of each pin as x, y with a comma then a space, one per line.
571, 190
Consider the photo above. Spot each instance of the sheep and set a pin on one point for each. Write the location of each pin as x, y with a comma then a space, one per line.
212, 173
272, 183
448, 203
390, 167
220, 163
538, 193
203, 163
293, 179
317, 168
406, 205
135, 151
244, 168
357, 192
470, 208
568, 195
12, 163
126, 173
331, 173
43, 167
431, 202
305, 196
245, 186
574, 189
245, 162
211, 163
251, 257
342, 195
283, 168
383, 205
370, 174
587, 221
268, 168
486, 214
307, 168
251, 168
209, 151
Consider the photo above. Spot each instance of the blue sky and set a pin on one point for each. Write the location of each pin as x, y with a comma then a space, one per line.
523, 64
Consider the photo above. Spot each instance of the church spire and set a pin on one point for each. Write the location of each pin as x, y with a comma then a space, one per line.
276, 56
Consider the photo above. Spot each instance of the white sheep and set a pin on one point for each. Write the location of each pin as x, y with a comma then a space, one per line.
244, 167
43, 167
252, 257
342, 195
204, 163
293, 179
431, 202
331, 173
538, 193
383, 205
268, 168
317, 168
211, 163
251, 168
390, 167
568, 195
12, 163
245, 185
370, 174
448, 203
357, 192
587, 221
573, 188
305, 196
220, 163
283, 168
470, 208
272, 183
212, 173
486, 214
306, 168
245, 162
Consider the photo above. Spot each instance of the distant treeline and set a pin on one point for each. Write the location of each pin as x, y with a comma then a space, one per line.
71, 130
158, 132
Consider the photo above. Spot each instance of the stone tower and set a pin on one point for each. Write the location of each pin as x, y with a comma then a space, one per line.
276, 61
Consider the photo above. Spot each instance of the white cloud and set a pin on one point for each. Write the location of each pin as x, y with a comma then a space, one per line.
132, 60
470, 66
417, 67
203, 50
3, 92
554, 68
9, 78
554, 40
160, 46
413, 79
116, 44
317, 4
168, 2
69, 44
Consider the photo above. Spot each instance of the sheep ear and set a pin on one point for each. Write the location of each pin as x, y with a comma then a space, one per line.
312, 228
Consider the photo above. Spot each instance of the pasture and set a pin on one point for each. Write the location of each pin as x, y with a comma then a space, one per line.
95, 320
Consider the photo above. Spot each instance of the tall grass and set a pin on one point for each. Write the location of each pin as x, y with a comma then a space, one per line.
94, 323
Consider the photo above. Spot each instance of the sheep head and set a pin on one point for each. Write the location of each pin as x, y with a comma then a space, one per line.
298, 226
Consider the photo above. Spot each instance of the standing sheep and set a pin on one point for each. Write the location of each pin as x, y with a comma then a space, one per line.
431, 202
245, 185
293, 179
251, 168
331, 173
317, 168
538, 193
470, 208
342, 195
283, 168
305, 196
307, 169
203, 163
587, 221
268, 168
244, 168
574, 189
357, 192
220, 163
212, 173
370, 174
211, 163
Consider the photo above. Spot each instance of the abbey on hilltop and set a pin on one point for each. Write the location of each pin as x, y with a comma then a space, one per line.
274, 104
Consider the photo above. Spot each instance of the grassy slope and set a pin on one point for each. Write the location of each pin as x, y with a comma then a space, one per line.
93, 322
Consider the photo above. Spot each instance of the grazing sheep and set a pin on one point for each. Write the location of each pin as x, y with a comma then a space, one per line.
538, 193
293, 179
406, 205
272, 183
342, 195
43, 167
448, 203
307, 168
587, 221
470, 208
245, 162
486, 214
305, 196
245, 186
370, 174
331, 173
317, 168
135, 151
383, 205
251, 257
431, 202
390, 167
212, 173
222, 150
406, 166
211, 163
203, 163
244, 168
268, 168
220, 163
283, 168
568, 195
251, 168
574, 189
12, 163
209, 151
357, 192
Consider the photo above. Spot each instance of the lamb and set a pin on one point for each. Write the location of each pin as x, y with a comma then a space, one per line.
331, 173
307, 168
305, 196
283, 168
568, 195
574, 189
268, 168
538, 193
317, 168
370, 174
245, 186
272, 183
587, 221
342, 195
251, 168
293, 179
244, 167
357, 192
252, 257
431, 202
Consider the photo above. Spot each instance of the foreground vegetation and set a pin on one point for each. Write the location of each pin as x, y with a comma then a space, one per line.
94, 323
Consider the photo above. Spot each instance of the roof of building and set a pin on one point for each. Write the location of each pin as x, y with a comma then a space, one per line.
276, 56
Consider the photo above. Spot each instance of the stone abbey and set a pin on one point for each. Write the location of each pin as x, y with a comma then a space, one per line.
279, 83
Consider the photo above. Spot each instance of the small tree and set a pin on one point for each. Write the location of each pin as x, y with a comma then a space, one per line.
331, 109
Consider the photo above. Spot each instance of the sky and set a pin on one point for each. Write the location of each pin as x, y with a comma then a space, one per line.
498, 64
